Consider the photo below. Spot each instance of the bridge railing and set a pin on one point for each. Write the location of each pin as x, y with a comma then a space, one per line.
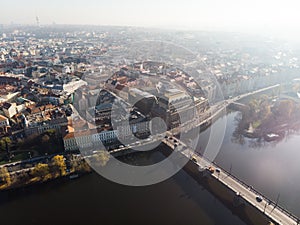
256, 192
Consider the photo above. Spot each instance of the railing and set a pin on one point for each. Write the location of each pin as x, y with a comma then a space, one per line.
256, 192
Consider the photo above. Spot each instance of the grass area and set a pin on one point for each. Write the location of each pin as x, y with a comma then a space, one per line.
21, 156
18, 156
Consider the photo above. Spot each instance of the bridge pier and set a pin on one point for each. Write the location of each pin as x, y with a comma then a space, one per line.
238, 106
236, 202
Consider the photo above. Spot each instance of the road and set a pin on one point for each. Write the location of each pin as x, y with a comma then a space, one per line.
247, 192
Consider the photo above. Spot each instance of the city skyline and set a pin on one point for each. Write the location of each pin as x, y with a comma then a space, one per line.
211, 117
279, 17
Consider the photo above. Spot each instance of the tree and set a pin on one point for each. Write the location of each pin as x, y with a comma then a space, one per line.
286, 108
82, 166
59, 164
5, 176
45, 138
4, 143
41, 170
265, 110
102, 157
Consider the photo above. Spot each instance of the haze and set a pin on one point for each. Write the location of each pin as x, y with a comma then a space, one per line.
276, 16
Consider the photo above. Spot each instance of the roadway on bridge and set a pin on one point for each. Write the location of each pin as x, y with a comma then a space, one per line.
245, 191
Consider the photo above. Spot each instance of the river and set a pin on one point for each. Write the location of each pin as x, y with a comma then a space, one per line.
92, 199
271, 168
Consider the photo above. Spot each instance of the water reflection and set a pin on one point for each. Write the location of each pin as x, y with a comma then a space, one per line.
270, 167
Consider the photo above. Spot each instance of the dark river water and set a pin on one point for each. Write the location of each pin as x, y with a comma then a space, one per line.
272, 168
92, 199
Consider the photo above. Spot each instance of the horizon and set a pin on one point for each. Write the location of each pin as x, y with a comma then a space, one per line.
277, 18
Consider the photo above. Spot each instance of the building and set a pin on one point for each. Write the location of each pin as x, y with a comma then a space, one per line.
42, 127
4, 122
88, 139
9, 109
142, 100
175, 107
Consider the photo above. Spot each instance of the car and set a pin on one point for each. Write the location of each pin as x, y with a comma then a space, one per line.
194, 159
218, 170
259, 198
211, 169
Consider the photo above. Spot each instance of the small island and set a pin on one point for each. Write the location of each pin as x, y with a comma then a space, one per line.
268, 118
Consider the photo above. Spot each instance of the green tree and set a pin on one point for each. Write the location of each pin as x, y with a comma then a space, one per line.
4, 142
259, 109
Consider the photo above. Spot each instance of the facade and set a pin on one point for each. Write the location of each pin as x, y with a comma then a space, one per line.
9, 109
4, 122
93, 138
88, 139
175, 107
54, 124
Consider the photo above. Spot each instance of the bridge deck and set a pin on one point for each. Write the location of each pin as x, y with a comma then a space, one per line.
247, 192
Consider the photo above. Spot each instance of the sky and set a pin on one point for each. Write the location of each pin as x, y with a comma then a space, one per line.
276, 15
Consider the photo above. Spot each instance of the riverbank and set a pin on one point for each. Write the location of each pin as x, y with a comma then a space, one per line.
92, 198
42, 173
268, 118
270, 167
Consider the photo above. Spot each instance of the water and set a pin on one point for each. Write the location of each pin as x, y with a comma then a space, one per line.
94, 200
271, 168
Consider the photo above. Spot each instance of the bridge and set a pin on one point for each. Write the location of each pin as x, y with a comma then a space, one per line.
276, 213
215, 110
238, 106
245, 192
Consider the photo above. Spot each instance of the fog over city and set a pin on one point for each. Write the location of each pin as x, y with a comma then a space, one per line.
149, 112
277, 17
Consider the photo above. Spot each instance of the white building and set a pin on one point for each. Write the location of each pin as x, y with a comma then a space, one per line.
9, 109
88, 139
